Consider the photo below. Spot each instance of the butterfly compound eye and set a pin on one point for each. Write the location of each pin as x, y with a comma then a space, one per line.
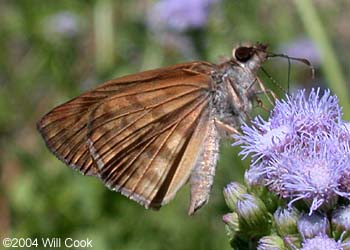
243, 54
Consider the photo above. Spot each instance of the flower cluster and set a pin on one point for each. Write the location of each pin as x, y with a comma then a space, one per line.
298, 186
256, 221
302, 151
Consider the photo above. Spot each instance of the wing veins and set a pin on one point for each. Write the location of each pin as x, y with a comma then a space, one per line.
110, 175
146, 125
147, 108
183, 148
176, 123
155, 89
77, 145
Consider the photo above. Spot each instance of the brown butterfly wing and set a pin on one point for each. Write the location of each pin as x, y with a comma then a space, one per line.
138, 133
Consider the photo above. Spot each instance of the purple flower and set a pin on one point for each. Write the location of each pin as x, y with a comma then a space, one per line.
314, 173
309, 115
310, 226
303, 48
302, 152
315, 231
291, 120
64, 23
263, 138
180, 15
323, 242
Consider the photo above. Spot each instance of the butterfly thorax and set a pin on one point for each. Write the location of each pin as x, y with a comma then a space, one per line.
236, 86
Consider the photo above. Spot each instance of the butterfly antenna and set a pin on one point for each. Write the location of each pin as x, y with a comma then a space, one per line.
288, 77
298, 59
273, 80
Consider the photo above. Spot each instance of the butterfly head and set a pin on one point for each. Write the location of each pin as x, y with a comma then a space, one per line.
241, 82
250, 56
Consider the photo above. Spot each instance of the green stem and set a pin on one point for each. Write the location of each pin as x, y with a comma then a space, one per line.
104, 35
331, 67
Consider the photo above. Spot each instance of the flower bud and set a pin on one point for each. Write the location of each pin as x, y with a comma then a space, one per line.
292, 241
286, 221
341, 221
232, 191
346, 244
231, 221
271, 242
253, 215
310, 226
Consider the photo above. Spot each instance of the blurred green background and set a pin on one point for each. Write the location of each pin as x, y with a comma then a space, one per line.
51, 51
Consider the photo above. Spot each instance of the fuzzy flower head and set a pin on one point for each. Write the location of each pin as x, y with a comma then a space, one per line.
309, 114
302, 151
322, 242
314, 174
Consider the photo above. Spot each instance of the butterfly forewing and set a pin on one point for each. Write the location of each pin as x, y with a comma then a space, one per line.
136, 133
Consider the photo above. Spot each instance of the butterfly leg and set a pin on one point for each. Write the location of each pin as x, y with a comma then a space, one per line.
223, 127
